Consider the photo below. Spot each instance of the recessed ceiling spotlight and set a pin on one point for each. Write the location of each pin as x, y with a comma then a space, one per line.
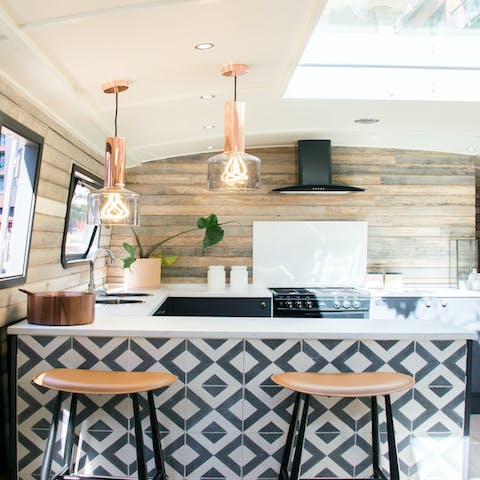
209, 147
207, 97
204, 46
471, 149
207, 127
367, 121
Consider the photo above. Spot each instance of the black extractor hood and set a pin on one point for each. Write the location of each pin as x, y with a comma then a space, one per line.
315, 170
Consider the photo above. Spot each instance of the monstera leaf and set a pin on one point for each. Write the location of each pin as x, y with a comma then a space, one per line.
213, 231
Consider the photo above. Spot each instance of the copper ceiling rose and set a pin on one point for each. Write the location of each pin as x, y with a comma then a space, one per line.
115, 86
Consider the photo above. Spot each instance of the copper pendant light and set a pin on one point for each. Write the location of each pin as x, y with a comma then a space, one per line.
233, 169
114, 204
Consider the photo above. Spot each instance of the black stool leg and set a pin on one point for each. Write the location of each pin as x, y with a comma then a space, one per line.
156, 443
67, 456
288, 445
141, 468
47, 458
297, 458
392, 447
375, 442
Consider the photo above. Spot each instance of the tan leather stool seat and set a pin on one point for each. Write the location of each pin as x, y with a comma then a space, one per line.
363, 384
102, 382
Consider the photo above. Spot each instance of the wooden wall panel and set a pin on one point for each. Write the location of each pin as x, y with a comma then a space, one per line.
415, 202
61, 149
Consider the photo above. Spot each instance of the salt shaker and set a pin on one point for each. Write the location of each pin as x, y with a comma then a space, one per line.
238, 278
216, 278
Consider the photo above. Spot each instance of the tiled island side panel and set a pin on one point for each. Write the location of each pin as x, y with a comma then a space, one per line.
225, 418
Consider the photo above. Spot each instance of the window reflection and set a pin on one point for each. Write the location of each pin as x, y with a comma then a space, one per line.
19, 159
79, 237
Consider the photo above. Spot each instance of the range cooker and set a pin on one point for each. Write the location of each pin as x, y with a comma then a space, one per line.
321, 302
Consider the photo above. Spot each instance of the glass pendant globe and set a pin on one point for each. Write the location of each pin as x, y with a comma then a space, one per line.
113, 206
234, 171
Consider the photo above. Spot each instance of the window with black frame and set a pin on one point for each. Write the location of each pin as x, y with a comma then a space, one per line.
79, 238
20, 155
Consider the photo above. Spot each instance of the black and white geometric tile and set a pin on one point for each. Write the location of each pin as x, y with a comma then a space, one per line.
158, 354
329, 356
266, 357
225, 418
215, 362
41, 353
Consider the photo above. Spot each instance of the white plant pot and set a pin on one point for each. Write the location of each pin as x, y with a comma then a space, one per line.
143, 273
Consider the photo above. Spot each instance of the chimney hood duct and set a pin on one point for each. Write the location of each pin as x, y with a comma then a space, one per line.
315, 170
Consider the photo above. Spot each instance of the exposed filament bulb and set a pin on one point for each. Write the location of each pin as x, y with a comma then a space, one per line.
235, 171
114, 209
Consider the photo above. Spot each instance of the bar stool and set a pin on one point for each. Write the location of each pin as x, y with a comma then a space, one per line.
98, 382
364, 384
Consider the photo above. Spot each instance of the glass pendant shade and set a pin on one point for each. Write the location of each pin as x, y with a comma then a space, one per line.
109, 206
233, 169
114, 204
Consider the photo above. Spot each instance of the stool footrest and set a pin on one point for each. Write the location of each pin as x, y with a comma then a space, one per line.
380, 476
95, 477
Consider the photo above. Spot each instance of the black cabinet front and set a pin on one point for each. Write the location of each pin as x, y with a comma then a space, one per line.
216, 307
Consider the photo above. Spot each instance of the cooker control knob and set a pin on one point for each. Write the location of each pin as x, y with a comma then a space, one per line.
309, 304
356, 304
346, 304
337, 304
298, 303
289, 304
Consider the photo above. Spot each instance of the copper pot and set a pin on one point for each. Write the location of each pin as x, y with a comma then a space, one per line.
60, 308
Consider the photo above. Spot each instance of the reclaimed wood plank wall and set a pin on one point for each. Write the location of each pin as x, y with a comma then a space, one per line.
415, 203
45, 271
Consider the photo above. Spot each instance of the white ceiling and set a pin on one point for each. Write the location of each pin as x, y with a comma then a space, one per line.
58, 53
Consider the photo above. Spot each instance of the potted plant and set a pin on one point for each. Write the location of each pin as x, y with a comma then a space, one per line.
143, 266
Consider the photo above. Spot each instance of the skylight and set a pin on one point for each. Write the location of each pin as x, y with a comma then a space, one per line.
406, 50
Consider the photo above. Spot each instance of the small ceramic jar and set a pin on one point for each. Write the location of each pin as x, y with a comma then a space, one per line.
216, 278
239, 278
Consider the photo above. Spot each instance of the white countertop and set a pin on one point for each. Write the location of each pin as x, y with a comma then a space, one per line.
201, 290
252, 327
136, 320
424, 291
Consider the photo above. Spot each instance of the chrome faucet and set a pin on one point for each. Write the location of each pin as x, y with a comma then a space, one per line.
91, 283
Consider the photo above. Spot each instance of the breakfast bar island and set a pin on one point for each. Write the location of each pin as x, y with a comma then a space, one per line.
224, 417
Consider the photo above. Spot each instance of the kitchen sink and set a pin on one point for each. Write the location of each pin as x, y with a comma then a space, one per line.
125, 294
116, 301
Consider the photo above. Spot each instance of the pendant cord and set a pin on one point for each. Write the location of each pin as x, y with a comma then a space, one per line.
116, 112
235, 88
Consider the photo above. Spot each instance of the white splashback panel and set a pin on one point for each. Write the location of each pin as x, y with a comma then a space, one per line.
309, 253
